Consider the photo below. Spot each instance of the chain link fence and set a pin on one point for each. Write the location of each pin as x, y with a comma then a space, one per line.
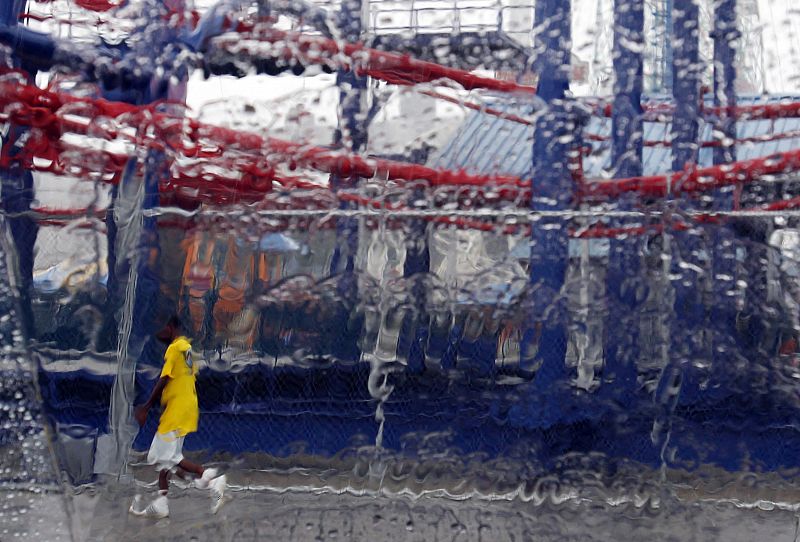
679, 347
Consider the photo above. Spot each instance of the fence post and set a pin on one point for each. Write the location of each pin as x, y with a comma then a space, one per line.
686, 82
17, 194
724, 277
351, 134
724, 34
683, 317
624, 273
545, 340
135, 290
686, 73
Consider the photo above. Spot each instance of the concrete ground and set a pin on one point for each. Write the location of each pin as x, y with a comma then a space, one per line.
307, 500
100, 514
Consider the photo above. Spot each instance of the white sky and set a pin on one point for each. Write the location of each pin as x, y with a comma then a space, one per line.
781, 34
780, 27
780, 30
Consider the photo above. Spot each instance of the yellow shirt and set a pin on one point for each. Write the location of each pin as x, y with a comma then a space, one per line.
179, 397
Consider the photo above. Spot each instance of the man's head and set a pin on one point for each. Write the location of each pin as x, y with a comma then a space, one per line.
171, 331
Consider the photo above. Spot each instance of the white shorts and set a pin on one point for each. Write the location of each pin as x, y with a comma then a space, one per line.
166, 451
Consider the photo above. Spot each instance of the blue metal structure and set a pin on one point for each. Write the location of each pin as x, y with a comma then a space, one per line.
327, 403
627, 127
686, 69
351, 135
552, 190
17, 191
681, 250
352, 131
627, 120
725, 35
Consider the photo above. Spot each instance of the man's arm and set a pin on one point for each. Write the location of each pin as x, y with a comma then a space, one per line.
140, 413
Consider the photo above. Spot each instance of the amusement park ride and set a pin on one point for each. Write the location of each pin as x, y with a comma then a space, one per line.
641, 302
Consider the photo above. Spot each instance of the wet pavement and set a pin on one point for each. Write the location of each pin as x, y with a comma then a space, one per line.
101, 515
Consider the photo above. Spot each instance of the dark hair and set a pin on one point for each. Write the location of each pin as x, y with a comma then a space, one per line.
171, 329
175, 323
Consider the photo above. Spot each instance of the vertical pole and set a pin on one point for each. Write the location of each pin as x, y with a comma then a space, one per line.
17, 194
136, 298
624, 269
24, 457
686, 71
351, 134
725, 34
626, 117
417, 261
136, 295
682, 319
108, 336
723, 311
10, 11
553, 190
669, 55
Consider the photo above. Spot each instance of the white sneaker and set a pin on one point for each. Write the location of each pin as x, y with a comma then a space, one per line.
137, 506
157, 509
217, 487
205, 480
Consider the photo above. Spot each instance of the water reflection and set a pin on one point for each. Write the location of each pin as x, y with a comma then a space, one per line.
297, 361
374, 308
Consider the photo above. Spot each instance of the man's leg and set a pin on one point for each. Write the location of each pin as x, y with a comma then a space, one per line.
194, 468
163, 481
